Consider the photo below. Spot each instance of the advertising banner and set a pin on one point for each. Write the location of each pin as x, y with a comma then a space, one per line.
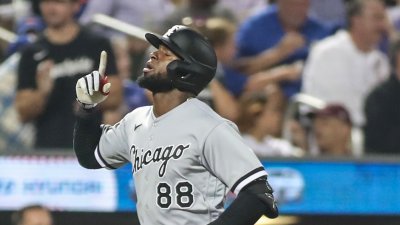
300, 186
57, 182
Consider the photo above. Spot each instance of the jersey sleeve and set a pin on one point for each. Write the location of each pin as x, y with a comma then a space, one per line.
230, 159
112, 151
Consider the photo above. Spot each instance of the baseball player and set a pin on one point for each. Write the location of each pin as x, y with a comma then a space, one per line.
185, 157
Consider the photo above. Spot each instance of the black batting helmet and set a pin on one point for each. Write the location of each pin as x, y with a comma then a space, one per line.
199, 62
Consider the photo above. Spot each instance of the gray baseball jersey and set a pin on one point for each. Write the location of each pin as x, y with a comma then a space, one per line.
184, 162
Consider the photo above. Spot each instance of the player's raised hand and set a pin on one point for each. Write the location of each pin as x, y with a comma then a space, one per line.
94, 88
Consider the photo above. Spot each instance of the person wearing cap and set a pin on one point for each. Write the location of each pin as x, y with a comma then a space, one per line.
332, 129
260, 122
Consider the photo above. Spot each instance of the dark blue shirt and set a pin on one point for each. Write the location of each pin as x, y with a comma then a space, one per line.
264, 31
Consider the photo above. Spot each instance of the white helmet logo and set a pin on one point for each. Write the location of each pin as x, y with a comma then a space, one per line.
172, 30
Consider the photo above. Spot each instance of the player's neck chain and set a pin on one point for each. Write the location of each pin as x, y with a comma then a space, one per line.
143, 158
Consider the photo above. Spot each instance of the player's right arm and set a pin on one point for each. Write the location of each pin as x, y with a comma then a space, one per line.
87, 133
97, 146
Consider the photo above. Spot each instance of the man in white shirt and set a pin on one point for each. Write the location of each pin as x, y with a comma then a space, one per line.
345, 67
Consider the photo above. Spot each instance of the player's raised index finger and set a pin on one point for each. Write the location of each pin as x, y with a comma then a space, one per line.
103, 63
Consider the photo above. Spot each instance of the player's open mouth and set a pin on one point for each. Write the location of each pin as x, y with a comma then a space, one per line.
148, 68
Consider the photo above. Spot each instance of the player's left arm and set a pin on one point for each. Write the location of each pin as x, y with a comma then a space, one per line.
236, 165
253, 201
91, 90
99, 146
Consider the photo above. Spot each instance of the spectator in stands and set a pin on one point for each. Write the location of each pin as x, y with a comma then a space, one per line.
49, 69
280, 35
28, 31
32, 215
244, 9
382, 110
330, 12
344, 68
393, 11
274, 75
6, 21
35, 7
197, 12
260, 122
221, 34
299, 133
145, 14
393, 23
332, 130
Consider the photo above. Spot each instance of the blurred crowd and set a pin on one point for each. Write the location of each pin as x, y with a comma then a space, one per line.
298, 77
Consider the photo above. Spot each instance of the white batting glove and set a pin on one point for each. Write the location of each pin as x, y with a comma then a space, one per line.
94, 88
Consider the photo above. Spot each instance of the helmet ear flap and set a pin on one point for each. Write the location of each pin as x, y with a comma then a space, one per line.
178, 69
180, 74
186, 76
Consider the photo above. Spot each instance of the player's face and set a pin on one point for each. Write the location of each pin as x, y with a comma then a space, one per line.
154, 75
57, 13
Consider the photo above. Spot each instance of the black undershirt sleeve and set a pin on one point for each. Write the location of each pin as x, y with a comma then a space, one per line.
87, 133
252, 202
